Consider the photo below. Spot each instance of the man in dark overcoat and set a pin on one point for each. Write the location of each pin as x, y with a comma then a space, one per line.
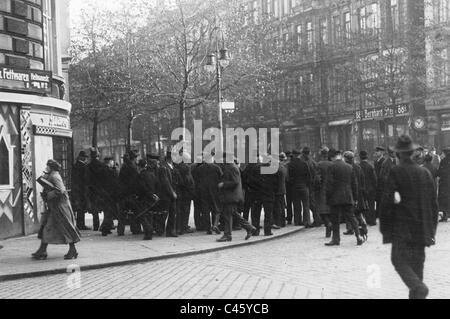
231, 194
186, 192
289, 192
146, 198
301, 181
111, 205
380, 157
370, 178
342, 192
208, 176
128, 182
169, 186
264, 188
96, 186
312, 164
444, 185
321, 196
279, 212
79, 194
198, 222
409, 216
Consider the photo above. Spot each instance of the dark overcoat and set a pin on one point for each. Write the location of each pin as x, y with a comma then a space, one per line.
370, 179
341, 184
361, 190
207, 177
231, 192
299, 174
444, 185
414, 220
321, 194
80, 186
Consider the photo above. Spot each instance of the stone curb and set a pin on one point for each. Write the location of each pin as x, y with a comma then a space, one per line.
59, 271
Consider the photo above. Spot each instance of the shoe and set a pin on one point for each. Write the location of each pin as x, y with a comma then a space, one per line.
364, 233
359, 241
250, 233
209, 232
71, 255
276, 227
39, 255
106, 233
268, 234
224, 239
146, 238
349, 233
172, 235
256, 232
332, 243
189, 231
419, 293
216, 230
1, 247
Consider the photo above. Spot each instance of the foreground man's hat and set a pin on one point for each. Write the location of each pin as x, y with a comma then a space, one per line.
405, 144
380, 149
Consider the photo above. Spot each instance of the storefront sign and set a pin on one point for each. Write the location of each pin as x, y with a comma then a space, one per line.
445, 123
51, 120
25, 80
380, 113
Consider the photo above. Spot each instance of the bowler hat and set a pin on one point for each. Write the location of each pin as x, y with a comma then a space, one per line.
83, 154
380, 149
405, 144
296, 152
324, 151
363, 155
306, 150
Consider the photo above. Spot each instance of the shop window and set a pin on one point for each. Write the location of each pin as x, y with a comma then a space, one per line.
5, 164
62, 153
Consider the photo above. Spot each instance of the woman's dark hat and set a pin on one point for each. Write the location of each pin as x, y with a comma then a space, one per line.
54, 165
405, 144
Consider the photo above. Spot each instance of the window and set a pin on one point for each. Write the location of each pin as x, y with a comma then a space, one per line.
323, 31
369, 17
286, 7
336, 29
63, 155
298, 34
310, 36
347, 25
255, 11
5, 176
395, 15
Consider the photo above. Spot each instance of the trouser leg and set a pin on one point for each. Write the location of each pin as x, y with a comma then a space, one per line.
304, 197
198, 215
172, 219
256, 214
297, 203
409, 263
268, 219
349, 213
247, 205
289, 204
278, 211
227, 215
335, 221
371, 215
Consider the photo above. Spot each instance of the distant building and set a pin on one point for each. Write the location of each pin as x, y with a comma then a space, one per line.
314, 104
34, 107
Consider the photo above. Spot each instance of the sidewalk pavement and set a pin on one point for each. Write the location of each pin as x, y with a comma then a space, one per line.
97, 252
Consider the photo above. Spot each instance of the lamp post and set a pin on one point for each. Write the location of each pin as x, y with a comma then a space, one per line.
217, 62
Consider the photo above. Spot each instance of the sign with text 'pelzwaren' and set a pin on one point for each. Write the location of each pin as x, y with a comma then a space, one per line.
25, 80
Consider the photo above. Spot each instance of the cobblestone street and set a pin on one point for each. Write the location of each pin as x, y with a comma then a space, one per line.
297, 267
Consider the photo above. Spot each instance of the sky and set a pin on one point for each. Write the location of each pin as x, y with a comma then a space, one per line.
76, 6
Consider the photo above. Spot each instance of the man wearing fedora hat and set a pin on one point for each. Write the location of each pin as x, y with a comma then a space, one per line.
409, 215
444, 185
79, 193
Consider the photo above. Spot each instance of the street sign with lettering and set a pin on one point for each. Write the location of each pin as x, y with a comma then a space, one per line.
380, 113
25, 80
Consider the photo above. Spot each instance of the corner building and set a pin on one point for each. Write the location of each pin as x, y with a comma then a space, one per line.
34, 107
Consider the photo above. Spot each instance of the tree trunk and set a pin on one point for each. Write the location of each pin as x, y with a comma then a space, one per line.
183, 117
95, 131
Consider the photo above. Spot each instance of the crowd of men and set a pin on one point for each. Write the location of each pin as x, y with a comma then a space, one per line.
154, 195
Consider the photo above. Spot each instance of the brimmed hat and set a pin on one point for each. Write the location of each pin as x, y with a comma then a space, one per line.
380, 149
306, 150
405, 144
133, 154
296, 152
363, 155
83, 154
54, 165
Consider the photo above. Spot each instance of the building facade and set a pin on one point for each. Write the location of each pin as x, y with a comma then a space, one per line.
34, 107
337, 91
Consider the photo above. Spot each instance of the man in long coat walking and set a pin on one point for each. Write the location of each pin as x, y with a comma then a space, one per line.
342, 192
371, 187
79, 194
409, 216
301, 180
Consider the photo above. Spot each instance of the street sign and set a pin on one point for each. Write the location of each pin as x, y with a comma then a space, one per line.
25, 80
227, 106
